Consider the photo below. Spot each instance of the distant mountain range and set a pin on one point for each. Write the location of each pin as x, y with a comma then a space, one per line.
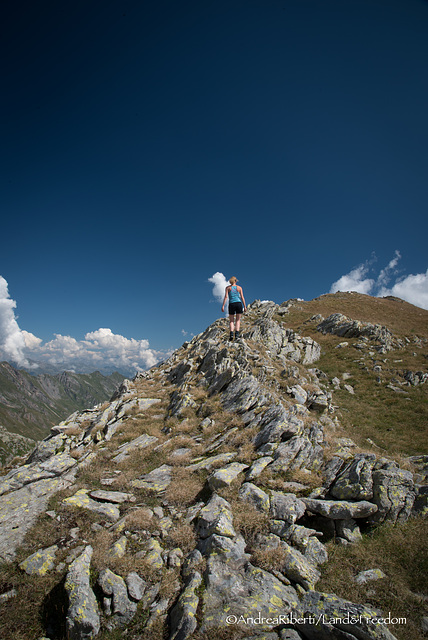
30, 405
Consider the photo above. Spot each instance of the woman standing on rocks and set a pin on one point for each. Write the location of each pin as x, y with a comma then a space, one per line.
236, 306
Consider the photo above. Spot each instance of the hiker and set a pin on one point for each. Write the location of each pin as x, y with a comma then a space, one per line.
236, 306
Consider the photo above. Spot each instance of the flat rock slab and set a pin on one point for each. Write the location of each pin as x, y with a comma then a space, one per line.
40, 562
127, 448
340, 509
83, 500
157, 480
27, 474
338, 618
20, 509
117, 497
224, 477
208, 463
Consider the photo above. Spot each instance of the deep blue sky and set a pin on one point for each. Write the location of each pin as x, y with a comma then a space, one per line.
147, 145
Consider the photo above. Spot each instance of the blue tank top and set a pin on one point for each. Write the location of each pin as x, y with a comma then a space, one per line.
234, 295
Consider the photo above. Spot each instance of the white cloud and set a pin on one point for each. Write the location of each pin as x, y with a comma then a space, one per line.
355, 280
101, 349
31, 341
12, 342
386, 273
220, 283
412, 288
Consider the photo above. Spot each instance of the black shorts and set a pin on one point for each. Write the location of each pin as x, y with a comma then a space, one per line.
235, 307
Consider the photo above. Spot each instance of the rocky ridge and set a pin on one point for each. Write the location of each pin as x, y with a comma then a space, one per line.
211, 480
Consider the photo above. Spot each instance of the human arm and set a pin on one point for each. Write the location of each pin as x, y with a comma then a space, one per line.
226, 294
242, 297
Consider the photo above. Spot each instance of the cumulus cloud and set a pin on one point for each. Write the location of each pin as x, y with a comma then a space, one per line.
101, 349
220, 283
12, 341
412, 288
355, 280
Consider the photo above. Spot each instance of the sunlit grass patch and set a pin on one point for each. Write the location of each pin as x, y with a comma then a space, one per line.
401, 552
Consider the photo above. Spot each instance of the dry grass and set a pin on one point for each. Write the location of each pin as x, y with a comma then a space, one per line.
400, 317
248, 521
139, 519
183, 536
184, 488
400, 551
229, 632
269, 559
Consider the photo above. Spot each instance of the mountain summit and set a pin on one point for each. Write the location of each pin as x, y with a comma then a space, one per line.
213, 495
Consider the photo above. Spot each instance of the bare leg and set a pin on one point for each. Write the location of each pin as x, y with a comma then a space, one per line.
232, 322
238, 322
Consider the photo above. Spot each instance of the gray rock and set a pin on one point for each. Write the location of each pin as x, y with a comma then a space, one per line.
51, 468
83, 619
296, 453
420, 505
20, 509
179, 402
191, 561
116, 497
289, 634
277, 424
340, 509
249, 492
47, 448
153, 556
322, 616
348, 530
369, 575
286, 507
216, 518
354, 482
243, 394
40, 562
257, 467
208, 463
127, 448
393, 493
242, 590
81, 499
183, 615
136, 586
340, 325
298, 393
315, 552
122, 608
297, 568
224, 477
157, 480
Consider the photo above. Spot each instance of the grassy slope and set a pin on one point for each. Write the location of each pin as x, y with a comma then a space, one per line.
395, 422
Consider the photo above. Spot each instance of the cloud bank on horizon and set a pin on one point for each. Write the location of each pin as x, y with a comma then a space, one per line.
101, 349
412, 288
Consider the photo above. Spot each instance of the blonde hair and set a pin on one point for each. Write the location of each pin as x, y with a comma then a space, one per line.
232, 280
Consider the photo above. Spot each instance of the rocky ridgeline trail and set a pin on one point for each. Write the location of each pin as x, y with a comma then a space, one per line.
202, 495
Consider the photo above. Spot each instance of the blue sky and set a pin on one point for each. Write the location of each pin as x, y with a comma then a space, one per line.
149, 145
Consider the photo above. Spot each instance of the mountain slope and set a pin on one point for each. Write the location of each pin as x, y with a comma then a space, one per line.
221, 495
31, 405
